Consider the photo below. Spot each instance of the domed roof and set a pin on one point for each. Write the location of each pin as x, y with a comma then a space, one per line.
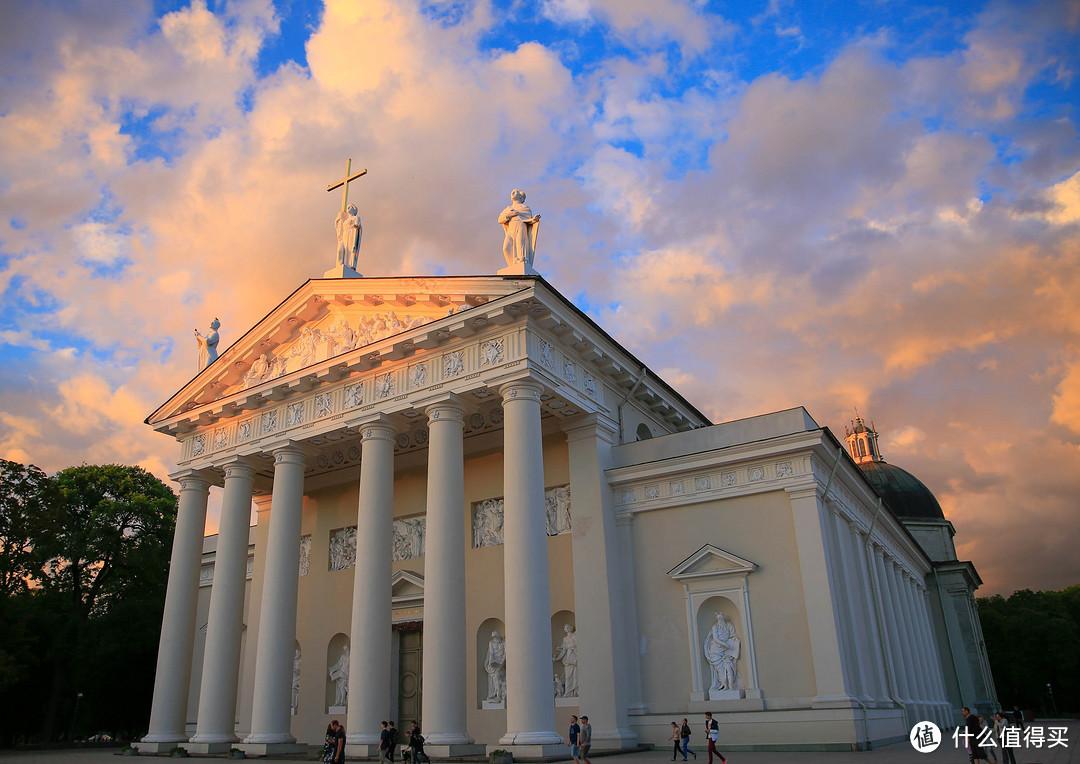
905, 494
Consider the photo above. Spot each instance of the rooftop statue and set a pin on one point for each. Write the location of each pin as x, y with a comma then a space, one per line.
521, 227
208, 344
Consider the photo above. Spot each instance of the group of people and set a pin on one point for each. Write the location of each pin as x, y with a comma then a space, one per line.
334, 747
579, 739
978, 731
680, 738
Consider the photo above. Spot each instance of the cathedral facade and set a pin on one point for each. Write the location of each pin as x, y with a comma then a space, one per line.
479, 512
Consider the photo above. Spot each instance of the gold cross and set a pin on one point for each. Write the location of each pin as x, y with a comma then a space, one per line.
345, 182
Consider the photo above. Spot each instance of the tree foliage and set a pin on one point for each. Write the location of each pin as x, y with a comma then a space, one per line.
84, 570
1032, 640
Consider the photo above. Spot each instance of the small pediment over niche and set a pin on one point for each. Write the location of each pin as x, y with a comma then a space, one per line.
710, 562
407, 587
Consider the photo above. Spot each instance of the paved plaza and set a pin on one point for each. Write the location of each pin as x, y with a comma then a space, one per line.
899, 753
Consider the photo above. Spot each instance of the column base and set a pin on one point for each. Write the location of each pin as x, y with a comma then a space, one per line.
271, 749
834, 700
541, 738
363, 750
206, 747
616, 738
454, 750
531, 751
160, 746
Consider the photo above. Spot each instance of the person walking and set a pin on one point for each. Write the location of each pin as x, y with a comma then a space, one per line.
972, 731
339, 742
712, 731
676, 739
386, 749
416, 745
585, 739
1001, 723
572, 739
984, 734
685, 733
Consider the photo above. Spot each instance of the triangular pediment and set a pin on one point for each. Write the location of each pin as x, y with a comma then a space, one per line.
331, 320
406, 586
711, 561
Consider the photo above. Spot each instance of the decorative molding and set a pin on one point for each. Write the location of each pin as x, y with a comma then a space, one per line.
343, 548
487, 517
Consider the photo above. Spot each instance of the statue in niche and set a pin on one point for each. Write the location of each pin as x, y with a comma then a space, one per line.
495, 666
349, 232
722, 651
557, 507
295, 680
208, 344
560, 687
521, 227
339, 675
567, 653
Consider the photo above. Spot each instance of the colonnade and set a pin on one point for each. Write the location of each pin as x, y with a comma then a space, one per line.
890, 653
530, 709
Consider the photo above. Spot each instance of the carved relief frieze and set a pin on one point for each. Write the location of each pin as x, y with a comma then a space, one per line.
305, 554
756, 474
454, 363
491, 352
728, 479
269, 421
384, 385
488, 517
702, 483
294, 414
245, 430
417, 376
409, 538
198, 445
343, 548
784, 469
324, 405
221, 438
353, 396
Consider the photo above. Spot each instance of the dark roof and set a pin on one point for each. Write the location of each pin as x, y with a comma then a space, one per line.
905, 494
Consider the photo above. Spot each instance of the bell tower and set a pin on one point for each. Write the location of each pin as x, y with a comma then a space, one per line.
862, 441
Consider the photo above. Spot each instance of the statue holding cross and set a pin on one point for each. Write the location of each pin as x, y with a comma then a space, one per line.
347, 223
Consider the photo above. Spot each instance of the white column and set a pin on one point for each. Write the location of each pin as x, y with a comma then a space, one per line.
221, 662
628, 628
907, 637
858, 660
168, 713
873, 636
603, 664
370, 632
819, 590
919, 646
937, 687
444, 699
893, 655
530, 703
271, 715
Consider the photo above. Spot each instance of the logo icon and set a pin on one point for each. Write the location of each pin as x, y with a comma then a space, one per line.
925, 737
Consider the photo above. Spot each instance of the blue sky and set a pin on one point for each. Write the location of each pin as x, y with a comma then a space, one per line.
831, 204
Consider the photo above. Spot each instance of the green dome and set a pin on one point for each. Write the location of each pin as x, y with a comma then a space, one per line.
905, 494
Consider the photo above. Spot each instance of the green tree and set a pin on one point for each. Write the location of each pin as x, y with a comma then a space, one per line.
91, 549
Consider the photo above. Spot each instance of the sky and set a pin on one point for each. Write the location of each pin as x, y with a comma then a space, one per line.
859, 205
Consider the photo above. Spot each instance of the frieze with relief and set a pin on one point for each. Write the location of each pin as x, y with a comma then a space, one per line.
488, 517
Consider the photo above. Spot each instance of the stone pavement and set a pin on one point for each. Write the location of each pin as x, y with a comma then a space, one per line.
898, 753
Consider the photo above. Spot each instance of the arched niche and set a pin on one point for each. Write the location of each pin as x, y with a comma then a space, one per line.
335, 648
483, 637
715, 580
706, 620
559, 622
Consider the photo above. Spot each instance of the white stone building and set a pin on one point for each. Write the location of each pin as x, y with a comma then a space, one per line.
436, 459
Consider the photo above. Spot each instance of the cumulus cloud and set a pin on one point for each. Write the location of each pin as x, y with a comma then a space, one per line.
884, 232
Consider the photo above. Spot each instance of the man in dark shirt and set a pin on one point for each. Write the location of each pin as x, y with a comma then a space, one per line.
712, 733
339, 742
974, 730
386, 749
572, 739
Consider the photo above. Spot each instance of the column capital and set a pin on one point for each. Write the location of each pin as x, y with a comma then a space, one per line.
239, 467
521, 389
288, 454
192, 480
446, 410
